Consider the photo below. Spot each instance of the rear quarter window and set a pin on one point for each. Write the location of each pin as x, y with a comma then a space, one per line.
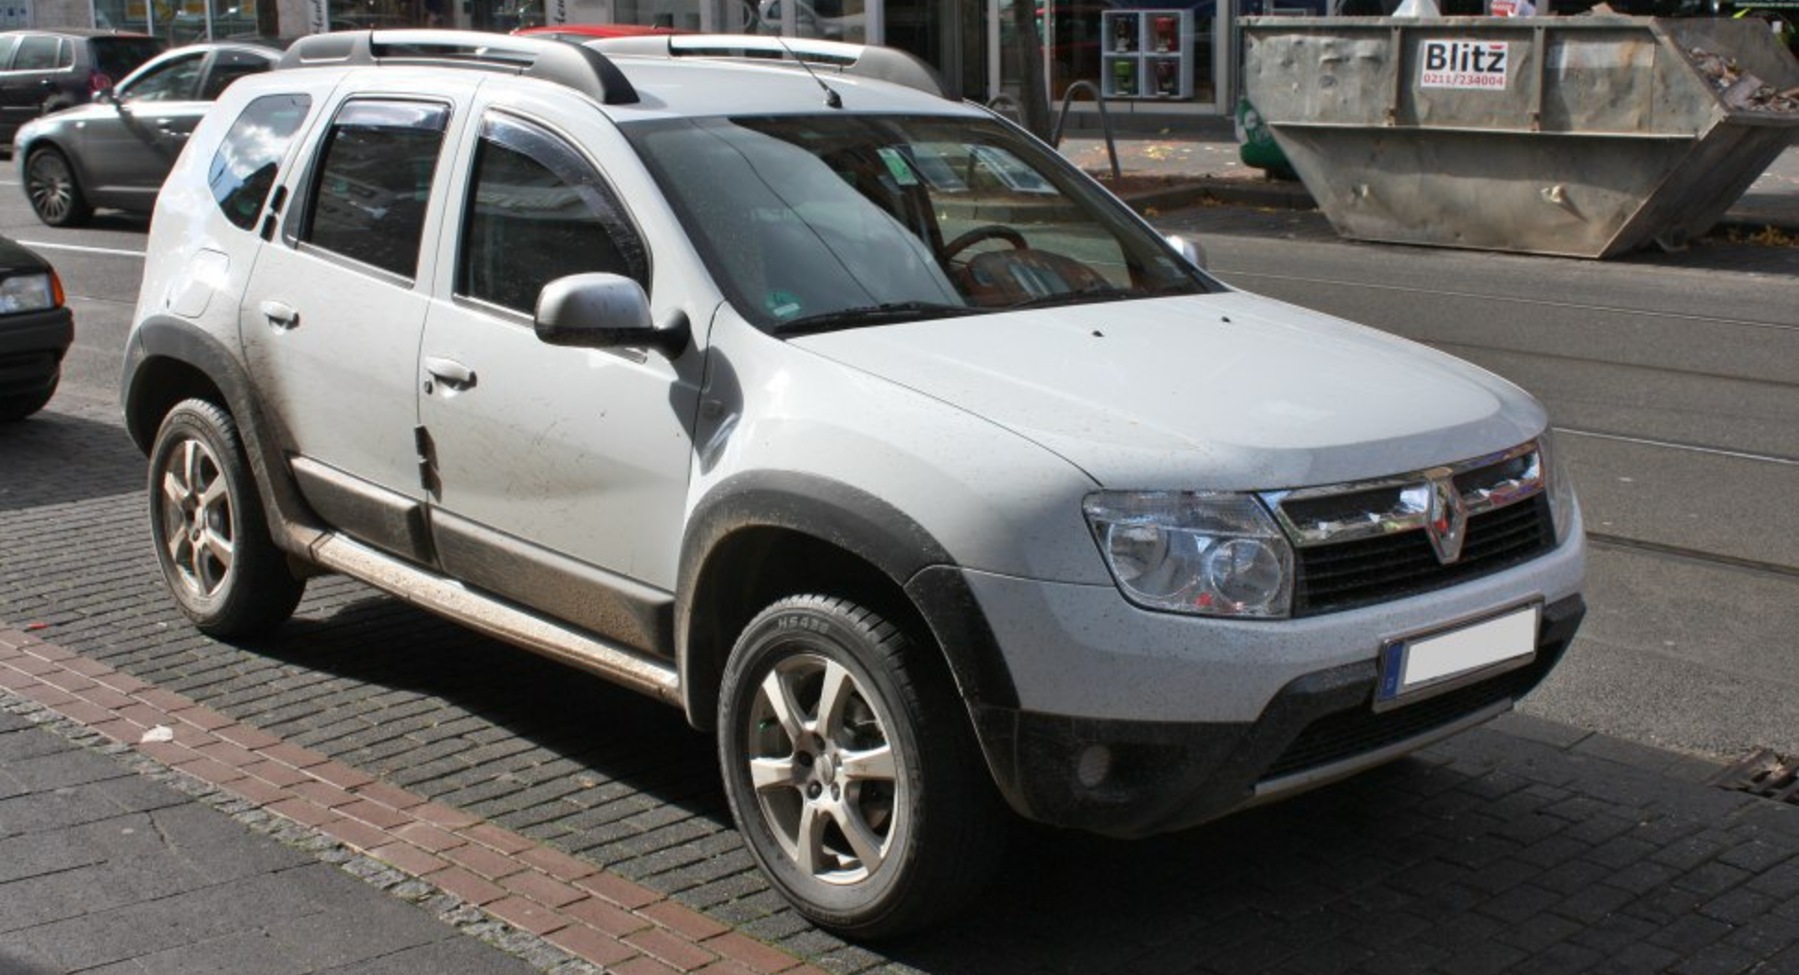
244, 169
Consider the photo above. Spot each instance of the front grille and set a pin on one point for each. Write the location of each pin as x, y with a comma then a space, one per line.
1361, 730
1385, 567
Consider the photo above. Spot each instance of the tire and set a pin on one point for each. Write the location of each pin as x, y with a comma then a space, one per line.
881, 845
51, 187
19, 407
212, 541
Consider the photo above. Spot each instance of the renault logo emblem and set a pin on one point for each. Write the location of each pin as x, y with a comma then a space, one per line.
1445, 517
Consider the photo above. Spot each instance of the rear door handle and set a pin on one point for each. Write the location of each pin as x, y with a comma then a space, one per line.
282, 317
451, 373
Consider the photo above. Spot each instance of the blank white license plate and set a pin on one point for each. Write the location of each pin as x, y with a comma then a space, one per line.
1437, 658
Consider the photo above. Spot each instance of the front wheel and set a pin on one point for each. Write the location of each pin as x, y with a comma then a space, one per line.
55, 196
211, 538
852, 770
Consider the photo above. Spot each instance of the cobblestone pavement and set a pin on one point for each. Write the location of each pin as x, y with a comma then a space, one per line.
104, 870
1526, 848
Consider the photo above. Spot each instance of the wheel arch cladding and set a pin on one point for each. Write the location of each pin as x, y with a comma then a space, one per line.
761, 536
169, 360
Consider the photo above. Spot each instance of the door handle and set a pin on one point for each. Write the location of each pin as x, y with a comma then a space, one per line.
451, 373
281, 317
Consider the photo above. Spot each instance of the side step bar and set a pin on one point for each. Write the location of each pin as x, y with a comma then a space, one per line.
498, 619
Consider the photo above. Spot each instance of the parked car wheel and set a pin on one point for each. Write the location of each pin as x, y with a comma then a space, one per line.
207, 522
55, 196
20, 407
852, 770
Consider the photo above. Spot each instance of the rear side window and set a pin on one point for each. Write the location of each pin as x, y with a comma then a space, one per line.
373, 182
40, 53
229, 66
8, 44
171, 81
244, 168
538, 211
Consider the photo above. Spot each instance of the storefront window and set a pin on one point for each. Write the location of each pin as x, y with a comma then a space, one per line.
1136, 49
121, 15
179, 21
832, 20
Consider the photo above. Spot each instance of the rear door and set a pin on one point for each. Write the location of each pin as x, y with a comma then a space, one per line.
333, 312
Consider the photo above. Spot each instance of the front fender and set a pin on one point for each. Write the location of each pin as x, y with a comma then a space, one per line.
865, 527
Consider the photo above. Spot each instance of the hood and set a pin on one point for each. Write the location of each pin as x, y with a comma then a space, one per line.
1224, 392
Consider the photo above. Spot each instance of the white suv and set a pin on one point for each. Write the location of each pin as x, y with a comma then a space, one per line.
847, 417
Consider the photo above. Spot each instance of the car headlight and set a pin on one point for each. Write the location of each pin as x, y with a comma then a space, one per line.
1561, 488
29, 292
1188, 552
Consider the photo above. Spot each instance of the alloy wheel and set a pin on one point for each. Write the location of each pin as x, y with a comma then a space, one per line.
824, 769
198, 528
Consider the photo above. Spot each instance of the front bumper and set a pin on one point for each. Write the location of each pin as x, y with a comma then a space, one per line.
1162, 776
31, 350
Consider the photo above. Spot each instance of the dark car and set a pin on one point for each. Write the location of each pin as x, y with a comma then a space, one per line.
35, 331
116, 150
43, 71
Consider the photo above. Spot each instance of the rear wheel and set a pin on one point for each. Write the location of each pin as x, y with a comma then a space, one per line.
212, 540
852, 770
50, 186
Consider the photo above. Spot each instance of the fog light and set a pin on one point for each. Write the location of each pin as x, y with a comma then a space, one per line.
1093, 766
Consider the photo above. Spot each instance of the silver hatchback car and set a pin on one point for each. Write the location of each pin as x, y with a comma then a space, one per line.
116, 150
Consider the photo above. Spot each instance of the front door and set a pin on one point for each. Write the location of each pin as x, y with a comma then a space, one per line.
559, 474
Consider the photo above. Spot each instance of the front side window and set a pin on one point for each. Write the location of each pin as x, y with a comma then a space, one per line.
820, 222
373, 181
172, 81
538, 211
244, 169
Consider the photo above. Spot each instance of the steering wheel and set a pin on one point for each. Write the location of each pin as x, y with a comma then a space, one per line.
991, 231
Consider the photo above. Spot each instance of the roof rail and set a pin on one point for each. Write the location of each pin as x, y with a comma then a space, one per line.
571, 65
857, 60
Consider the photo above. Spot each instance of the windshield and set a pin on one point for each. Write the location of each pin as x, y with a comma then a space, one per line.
834, 221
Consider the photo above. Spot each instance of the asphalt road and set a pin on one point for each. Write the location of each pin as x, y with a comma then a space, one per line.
1674, 380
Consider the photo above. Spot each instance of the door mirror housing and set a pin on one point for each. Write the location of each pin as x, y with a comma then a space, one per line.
1192, 252
605, 311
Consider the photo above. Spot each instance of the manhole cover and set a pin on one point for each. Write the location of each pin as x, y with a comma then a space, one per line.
1765, 774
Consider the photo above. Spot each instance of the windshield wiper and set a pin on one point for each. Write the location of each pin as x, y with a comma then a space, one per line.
882, 314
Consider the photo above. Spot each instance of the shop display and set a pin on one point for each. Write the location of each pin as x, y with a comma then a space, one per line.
1148, 54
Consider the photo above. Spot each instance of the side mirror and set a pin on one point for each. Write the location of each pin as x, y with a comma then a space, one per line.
605, 311
107, 96
1192, 252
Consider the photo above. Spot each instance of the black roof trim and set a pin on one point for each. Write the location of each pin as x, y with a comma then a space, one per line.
856, 60
571, 65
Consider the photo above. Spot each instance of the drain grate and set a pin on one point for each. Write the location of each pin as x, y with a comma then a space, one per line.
1764, 774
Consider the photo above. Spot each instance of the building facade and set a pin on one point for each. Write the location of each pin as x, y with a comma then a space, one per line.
1159, 57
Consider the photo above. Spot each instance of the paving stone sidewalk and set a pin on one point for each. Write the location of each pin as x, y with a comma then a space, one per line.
105, 869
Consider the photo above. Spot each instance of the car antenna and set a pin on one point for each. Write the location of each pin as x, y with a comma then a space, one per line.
832, 99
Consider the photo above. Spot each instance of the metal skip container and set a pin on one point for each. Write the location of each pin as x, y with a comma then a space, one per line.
1584, 136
